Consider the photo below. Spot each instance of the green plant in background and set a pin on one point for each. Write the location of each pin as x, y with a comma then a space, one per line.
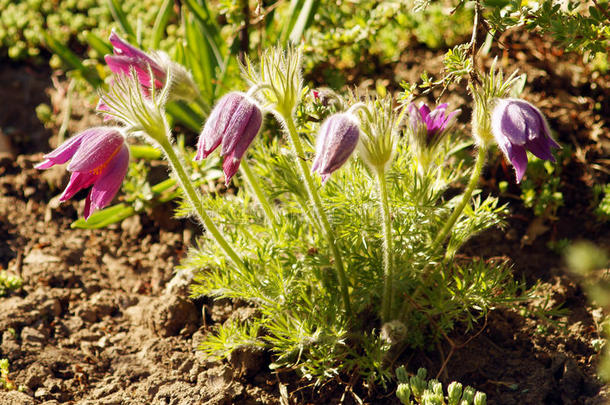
592, 263
9, 283
601, 198
5, 382
416, 390
575, 25
541, 190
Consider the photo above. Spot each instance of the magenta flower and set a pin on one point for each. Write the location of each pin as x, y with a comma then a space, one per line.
518, 126
428, 126
98, 156
127, 56
234, 123
336, 141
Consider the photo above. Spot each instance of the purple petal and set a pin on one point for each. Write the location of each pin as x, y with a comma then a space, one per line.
78, 181
518, 158
108, 184
97, 150
211, 135
243, 126
516, 122
122, 47
230, 165
65, 151
424, 111
541, 148
336, 142
120, 64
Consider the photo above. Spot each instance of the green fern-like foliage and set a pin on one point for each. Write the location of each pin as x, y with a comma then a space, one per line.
289, 276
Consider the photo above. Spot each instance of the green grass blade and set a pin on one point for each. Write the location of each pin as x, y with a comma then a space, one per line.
105, 217
121, 18
303, 20
209, 28
145, 152
72, 60
161, 21
102, 47
185, 115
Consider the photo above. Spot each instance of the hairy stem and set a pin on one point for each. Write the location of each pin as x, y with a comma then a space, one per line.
195, 199
388, 276
253, 182
472, 184
315, 197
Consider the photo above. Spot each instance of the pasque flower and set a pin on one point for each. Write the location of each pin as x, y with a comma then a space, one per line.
518, 126
234, 123
98, 156
151, 69
428, 126
336, 141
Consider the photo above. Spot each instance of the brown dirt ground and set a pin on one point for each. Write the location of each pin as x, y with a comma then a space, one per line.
103, 318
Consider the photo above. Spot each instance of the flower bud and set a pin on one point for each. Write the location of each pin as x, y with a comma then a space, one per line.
517, 127
234, 123
336, 141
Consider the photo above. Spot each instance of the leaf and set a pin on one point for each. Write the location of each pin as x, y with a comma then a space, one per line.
105, 217
304, 19
299, 16
208, 26
121, 18
97, 43
72, 60
185, 115
161, 21
145, 152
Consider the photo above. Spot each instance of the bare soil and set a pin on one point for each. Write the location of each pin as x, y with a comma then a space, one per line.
104, 317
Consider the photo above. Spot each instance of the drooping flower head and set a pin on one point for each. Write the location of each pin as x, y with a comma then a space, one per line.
234, 123
517, 127
98, 156
336, 142
428, 127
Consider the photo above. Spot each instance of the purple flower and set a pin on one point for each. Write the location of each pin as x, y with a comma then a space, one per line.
234, 123
99, 157
428, 126
518, 127
336, 141
127, 56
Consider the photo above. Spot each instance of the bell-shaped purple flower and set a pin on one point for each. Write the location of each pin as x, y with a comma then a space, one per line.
127, 56
428, 126
234, 123
337, 139
98, 156
518, 126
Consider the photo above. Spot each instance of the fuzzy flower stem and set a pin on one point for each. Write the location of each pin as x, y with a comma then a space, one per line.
388, 290
195, 200
313, 193
472, 184
253, 182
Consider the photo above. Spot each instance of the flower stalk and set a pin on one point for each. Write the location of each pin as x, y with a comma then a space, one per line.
195, 199
472, 184
388, 272
254, 184
315, 197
